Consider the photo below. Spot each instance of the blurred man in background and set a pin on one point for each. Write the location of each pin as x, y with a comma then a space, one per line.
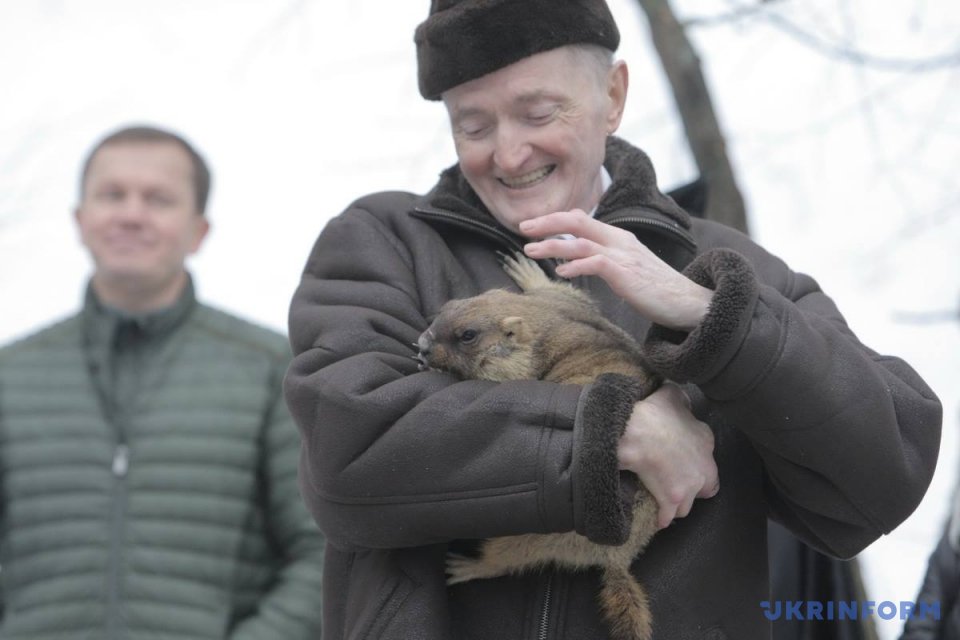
147, 460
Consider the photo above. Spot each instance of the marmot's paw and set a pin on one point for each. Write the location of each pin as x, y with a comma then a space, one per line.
524, 271
461, 568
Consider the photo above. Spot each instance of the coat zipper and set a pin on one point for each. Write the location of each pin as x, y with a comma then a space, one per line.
119, 467
624, 221
493, 231
489, 230
545, 612
121, 460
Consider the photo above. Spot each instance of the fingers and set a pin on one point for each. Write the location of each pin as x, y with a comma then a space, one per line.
576, 223
665, 516
583, 257
596, 265
710, 488
676, 485
564, 248
671, 451
669, 512
677, 501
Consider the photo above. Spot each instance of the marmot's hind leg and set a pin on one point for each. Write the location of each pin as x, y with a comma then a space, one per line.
525, 272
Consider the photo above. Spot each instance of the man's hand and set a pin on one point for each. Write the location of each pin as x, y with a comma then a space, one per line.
671, 452
656, 290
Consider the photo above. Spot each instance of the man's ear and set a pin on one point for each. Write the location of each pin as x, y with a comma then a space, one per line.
618, 81
515, 327
201, 230
77, 215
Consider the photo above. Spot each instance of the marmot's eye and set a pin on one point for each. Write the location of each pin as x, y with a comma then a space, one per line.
468, 336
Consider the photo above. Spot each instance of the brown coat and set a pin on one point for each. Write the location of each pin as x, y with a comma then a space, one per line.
813, 428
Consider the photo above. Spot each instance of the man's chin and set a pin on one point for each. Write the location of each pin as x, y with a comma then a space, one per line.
122, 270
127, 276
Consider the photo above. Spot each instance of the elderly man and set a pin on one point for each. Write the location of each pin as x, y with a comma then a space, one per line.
147, 460
783, 411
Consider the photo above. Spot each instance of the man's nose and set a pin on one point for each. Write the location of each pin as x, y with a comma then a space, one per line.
512, 151
132, 209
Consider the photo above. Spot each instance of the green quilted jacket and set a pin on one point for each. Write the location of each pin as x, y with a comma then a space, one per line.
148, 481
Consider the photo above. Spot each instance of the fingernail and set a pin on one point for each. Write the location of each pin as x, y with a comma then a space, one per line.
526, 224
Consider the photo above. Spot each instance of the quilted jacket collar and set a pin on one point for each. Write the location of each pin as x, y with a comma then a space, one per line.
100, 321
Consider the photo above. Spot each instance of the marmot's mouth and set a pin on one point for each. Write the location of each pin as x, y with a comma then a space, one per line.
422, 364
529, 179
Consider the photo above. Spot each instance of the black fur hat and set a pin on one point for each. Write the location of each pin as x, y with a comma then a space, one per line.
463, 40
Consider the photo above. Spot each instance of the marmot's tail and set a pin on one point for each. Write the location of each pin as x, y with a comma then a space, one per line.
625, 606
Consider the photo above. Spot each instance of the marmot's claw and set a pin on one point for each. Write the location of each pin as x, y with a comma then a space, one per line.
524, 271
461, 568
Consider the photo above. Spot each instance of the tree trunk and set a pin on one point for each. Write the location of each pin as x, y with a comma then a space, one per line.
682, 68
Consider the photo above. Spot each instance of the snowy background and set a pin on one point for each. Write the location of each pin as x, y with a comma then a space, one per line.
842, 118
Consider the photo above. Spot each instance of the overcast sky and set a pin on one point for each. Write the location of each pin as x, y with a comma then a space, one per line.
847, 156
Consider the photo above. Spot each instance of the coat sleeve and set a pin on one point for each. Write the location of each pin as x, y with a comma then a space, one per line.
291, 608
849, 438
393, 457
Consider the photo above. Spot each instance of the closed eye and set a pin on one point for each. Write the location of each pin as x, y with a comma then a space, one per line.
468, 336
541, 117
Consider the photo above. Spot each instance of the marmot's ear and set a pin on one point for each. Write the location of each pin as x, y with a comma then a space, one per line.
515, 327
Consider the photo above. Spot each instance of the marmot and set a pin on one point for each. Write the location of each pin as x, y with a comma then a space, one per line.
553, 332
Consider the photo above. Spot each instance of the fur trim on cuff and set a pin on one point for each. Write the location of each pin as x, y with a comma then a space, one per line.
700, 355
603, 495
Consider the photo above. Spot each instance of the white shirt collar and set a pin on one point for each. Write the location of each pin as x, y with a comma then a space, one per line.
606, 181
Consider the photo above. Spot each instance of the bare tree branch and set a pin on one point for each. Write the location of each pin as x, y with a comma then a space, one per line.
847, 54
682, 68
926, 317
736, 14
291, 14
826, 47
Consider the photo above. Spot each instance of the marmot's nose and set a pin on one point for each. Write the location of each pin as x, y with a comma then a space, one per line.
425, 342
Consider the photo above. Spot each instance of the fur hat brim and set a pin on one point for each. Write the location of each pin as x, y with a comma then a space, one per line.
462, 41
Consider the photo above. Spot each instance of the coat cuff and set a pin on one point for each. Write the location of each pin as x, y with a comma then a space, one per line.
603, 494
700, 355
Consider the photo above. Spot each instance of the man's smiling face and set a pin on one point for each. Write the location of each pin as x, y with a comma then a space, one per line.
531, 137
138, 215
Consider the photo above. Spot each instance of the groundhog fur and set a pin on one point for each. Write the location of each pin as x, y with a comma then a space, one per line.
552, 332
